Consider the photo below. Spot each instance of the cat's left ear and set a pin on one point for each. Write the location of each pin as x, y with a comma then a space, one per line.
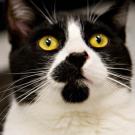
116, 16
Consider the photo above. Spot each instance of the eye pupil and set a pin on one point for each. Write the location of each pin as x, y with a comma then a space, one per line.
48, 41
98, 39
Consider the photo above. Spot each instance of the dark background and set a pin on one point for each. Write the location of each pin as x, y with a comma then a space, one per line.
2, 20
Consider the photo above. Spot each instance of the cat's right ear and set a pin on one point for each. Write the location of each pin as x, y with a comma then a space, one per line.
20, 17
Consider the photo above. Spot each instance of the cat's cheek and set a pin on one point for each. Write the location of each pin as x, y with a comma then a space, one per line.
96, 74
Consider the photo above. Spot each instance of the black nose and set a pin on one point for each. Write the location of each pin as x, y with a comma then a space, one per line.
77, 59
70, 69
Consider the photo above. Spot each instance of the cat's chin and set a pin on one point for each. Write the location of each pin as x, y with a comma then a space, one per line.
75, 92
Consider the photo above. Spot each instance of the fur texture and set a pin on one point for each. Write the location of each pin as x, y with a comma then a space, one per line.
76, 89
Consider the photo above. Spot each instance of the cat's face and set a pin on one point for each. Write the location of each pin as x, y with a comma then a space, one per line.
68, 57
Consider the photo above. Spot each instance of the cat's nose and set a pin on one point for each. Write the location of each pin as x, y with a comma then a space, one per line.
77, 59
70, 69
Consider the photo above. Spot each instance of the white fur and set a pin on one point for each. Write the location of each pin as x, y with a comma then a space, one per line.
108, 111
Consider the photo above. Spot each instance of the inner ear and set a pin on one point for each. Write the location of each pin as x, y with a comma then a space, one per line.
20, 17
116, 16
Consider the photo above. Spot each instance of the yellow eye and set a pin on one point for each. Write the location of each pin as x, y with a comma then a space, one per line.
99, 40
48, 43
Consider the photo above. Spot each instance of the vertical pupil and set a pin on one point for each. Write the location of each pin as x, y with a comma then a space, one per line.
98, 39
48, 41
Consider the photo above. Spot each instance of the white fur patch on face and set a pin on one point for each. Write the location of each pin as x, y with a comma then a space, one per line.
73, 44
94, 69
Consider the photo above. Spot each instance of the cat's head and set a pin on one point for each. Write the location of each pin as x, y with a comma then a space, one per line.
68, 56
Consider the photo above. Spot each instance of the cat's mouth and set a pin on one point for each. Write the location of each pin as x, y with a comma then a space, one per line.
75, 92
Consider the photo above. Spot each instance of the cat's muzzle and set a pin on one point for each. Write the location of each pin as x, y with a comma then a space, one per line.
69, 72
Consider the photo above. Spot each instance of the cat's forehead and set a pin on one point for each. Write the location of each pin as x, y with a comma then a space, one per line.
97, 9
88, 14
73, 28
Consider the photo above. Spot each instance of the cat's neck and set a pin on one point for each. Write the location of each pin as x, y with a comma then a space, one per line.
47, 117
116, 102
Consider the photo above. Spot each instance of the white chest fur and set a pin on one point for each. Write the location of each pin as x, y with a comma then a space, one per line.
118, 118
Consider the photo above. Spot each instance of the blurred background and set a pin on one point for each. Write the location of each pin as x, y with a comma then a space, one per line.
2, 20
61, 5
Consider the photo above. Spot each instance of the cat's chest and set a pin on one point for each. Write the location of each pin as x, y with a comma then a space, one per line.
112, 126
107, 125
108, 128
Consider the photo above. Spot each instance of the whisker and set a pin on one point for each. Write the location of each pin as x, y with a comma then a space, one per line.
96, 18
28, 92
118, 82
49, 15
120, 76
124, 69
19, 90
38, 98
4, 113
49, 83
17, 81
22, 73
42, 13
117, 64
7, 86
33, 90
54, 12
93, 16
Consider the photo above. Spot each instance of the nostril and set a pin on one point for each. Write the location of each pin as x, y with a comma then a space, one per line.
77, 59
86, 55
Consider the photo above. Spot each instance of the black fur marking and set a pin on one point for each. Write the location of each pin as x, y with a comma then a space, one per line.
26, 63
27, 56
75, 92
70, 69
77, 59
66, 72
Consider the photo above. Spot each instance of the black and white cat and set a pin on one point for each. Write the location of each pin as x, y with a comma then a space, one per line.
72, 71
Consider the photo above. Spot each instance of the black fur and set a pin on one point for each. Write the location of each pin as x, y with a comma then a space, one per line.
26, 56
70, 69
75, 92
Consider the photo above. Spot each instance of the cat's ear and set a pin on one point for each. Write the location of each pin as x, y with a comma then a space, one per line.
116, 16
20, 17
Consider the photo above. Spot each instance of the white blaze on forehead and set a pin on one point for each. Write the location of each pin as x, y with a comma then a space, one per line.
93, 68
73, 30
75, 42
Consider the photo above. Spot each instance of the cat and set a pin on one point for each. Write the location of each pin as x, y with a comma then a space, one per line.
72, 71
